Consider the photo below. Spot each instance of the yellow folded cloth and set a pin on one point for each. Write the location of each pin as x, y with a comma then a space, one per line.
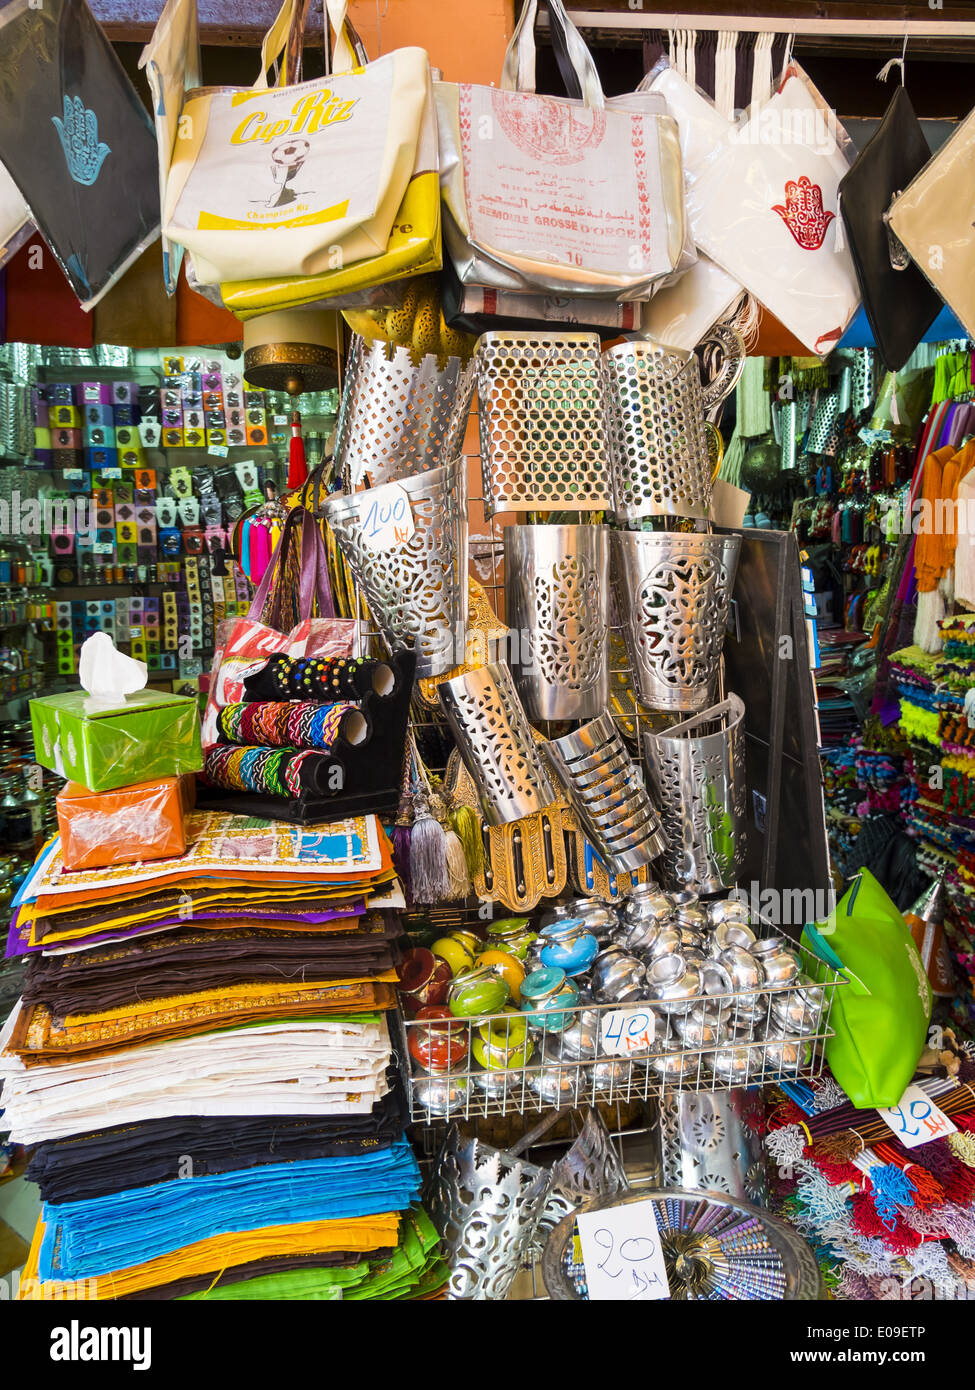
358, 1235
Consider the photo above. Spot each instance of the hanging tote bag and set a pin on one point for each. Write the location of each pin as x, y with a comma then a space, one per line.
765, 209
296, 180
933, 219
899, 302
77, 142
171, 60
413, 248
554, 196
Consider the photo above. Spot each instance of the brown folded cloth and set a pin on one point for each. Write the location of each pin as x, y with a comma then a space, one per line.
39, 1041
161, 966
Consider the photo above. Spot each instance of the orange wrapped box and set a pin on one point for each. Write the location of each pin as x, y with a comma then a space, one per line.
143, 821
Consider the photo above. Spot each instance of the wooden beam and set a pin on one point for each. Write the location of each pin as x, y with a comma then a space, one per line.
222, 22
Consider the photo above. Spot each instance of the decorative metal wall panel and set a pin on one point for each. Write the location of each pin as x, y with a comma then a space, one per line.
606, 791
542, 421
698, 773
712, 1140
557, 605
416, 590
495, 743
396, 418
673, 595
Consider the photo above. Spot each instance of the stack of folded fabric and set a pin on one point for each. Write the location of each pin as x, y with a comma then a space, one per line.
202, 1061
838, 716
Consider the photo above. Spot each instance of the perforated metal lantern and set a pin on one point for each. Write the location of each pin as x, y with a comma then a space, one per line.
495, 743
542, 421
673, 595
605, 789
398, 418
486, 1205
557, 604
697, 769
416, 589
658, 440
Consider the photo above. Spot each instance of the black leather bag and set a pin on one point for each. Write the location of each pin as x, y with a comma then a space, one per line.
900, 304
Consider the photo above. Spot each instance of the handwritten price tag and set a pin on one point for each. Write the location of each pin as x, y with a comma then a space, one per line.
624, 1031
622, 1254
916, 1120
386, 517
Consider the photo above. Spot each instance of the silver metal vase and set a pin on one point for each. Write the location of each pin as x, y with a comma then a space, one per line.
556, 582
697, 770
495, 741
673, 594
417, 589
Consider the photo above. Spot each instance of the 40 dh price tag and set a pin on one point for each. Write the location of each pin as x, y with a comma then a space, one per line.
622, 1254
386, 517
627, 1030
916, 1120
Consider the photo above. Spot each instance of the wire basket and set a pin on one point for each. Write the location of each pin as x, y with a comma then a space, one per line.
564, 1058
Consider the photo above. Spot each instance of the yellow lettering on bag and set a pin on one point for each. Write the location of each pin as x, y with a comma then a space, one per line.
211, 222
310, 114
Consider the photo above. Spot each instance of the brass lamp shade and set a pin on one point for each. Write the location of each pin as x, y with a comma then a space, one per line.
293, 350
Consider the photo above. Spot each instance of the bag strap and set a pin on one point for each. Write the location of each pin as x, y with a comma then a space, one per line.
574, 59
286, 36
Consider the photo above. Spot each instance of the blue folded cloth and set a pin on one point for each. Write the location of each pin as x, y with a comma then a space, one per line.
83, 1240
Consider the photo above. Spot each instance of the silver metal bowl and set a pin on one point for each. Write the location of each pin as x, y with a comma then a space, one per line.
441, 1094
732, 933
673, 984
742, 966
617, 977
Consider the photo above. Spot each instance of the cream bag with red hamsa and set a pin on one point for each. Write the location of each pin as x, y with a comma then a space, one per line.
766, 211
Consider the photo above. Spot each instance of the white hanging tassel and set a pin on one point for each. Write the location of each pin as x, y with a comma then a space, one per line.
690, 57
762, 67
947, 587
724, 73
839, 241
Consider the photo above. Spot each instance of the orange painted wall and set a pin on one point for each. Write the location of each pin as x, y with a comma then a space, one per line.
466, 39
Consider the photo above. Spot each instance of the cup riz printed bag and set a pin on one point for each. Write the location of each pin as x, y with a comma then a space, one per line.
327, 162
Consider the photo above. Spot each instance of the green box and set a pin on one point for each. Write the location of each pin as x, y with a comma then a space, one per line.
103, 746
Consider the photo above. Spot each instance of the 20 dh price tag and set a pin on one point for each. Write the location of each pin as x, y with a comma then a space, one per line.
622, 1254
628, 1030
386, 517
916, 1120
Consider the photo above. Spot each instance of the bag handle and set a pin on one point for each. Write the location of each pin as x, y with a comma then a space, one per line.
313, 583
574, 59
286, 36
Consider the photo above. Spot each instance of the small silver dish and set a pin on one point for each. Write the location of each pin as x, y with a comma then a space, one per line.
699, 1026
668, 940
732, 1064
495, 1084
746, 972
732, 934
673, 984
728, 910
617, 978
636, 936
559, 1082
613, 1074
441, 1093
786, 1055
798, 1010
647, 903
781, 965
715, 979
685, 898
580, 1041
675, 1066
693, 918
